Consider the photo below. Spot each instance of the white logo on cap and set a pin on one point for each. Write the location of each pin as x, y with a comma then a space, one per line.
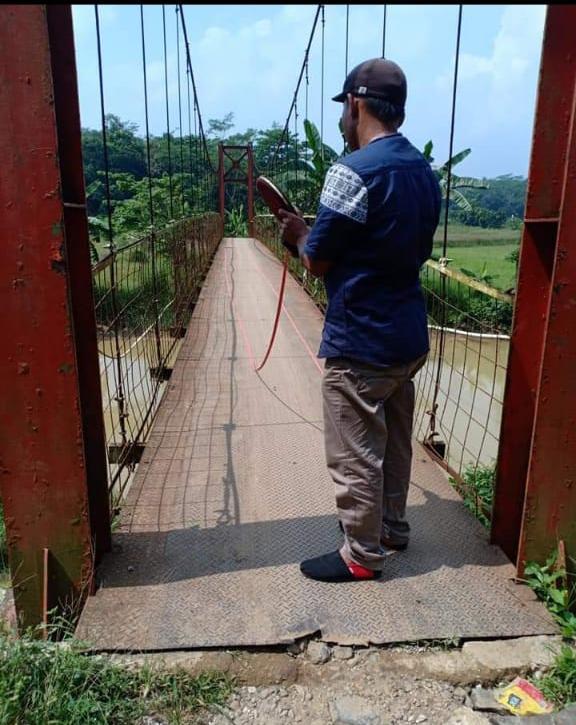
362, 90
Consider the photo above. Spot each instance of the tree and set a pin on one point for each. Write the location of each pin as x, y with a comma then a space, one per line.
456, 182
218, 128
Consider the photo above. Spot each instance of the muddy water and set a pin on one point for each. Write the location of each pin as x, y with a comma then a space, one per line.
470, 396
139, 390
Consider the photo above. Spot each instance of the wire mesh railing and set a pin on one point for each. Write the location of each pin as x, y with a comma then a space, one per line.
144, 295
460, 390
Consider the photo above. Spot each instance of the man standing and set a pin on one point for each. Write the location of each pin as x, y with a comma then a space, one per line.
379, 209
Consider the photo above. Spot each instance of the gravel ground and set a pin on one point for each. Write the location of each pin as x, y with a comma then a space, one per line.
343, 692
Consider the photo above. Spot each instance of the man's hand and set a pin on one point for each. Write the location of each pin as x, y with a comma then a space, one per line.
294, 230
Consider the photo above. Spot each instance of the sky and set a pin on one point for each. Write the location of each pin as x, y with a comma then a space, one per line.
247, 58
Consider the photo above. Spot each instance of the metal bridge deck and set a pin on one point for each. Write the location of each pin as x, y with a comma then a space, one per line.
232, 493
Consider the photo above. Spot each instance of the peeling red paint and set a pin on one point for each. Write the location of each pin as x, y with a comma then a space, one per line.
42, 438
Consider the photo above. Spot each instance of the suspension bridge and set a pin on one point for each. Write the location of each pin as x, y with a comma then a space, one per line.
158, 485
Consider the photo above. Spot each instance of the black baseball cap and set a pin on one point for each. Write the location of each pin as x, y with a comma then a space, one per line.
376, 78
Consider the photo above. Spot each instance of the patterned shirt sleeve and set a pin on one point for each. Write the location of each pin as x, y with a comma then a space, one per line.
345, 193
342, 215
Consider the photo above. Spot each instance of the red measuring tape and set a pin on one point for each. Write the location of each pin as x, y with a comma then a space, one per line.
275, 201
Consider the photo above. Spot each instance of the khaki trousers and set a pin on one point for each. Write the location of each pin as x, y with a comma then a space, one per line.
368, 415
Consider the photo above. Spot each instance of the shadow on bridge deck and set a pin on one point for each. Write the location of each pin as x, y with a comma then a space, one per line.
232, 493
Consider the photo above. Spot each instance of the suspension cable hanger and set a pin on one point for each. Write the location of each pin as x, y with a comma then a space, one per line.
441, 346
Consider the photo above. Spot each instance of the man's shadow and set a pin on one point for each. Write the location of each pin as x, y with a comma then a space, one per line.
444, 534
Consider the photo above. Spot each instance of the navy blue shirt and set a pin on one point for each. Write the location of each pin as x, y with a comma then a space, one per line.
377, 216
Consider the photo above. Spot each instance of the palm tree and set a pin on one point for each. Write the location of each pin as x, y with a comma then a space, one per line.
456, 182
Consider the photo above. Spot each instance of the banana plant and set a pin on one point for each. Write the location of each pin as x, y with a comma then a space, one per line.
457, 182
236, 225
306, 179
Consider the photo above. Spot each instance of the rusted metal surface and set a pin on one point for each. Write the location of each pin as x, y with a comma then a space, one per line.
49, 488
233, 170
250, 183
66, 107
539, 344
550, 502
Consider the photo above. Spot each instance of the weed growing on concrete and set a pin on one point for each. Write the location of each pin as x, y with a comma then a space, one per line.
550, 584
559, 683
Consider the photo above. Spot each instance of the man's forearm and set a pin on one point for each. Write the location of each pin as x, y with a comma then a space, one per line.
300, 244
316, 268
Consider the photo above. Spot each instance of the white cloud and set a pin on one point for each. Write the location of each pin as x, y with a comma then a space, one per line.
502, 75
252, 65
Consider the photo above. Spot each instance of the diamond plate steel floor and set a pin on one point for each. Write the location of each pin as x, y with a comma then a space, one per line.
232, 493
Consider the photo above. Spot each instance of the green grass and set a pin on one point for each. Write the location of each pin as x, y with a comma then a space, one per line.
460, 235
4, 573
555, 587
42, 683
489, 258
559, 684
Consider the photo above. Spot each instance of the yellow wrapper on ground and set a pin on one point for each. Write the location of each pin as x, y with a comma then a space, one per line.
522, 698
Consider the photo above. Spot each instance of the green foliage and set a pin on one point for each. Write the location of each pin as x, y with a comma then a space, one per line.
477, 489
514, 256
3, 545
491, 312
559, 683
299, 168
43, 683
314, 160
505, 195
456, 182
236, 224
479, 217
550, 584
482, 276
97, 228
465, 308
126, 150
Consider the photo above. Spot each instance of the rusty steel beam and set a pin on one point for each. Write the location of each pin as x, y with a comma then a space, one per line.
52, 471
534, 501
247, 178
550, 502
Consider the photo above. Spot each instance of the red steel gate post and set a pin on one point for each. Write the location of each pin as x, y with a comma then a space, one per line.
53, 480
535, 496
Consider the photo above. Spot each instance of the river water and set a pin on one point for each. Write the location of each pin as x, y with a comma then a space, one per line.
470, 395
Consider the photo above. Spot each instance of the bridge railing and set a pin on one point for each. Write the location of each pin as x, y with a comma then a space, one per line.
144, 293
460, 390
